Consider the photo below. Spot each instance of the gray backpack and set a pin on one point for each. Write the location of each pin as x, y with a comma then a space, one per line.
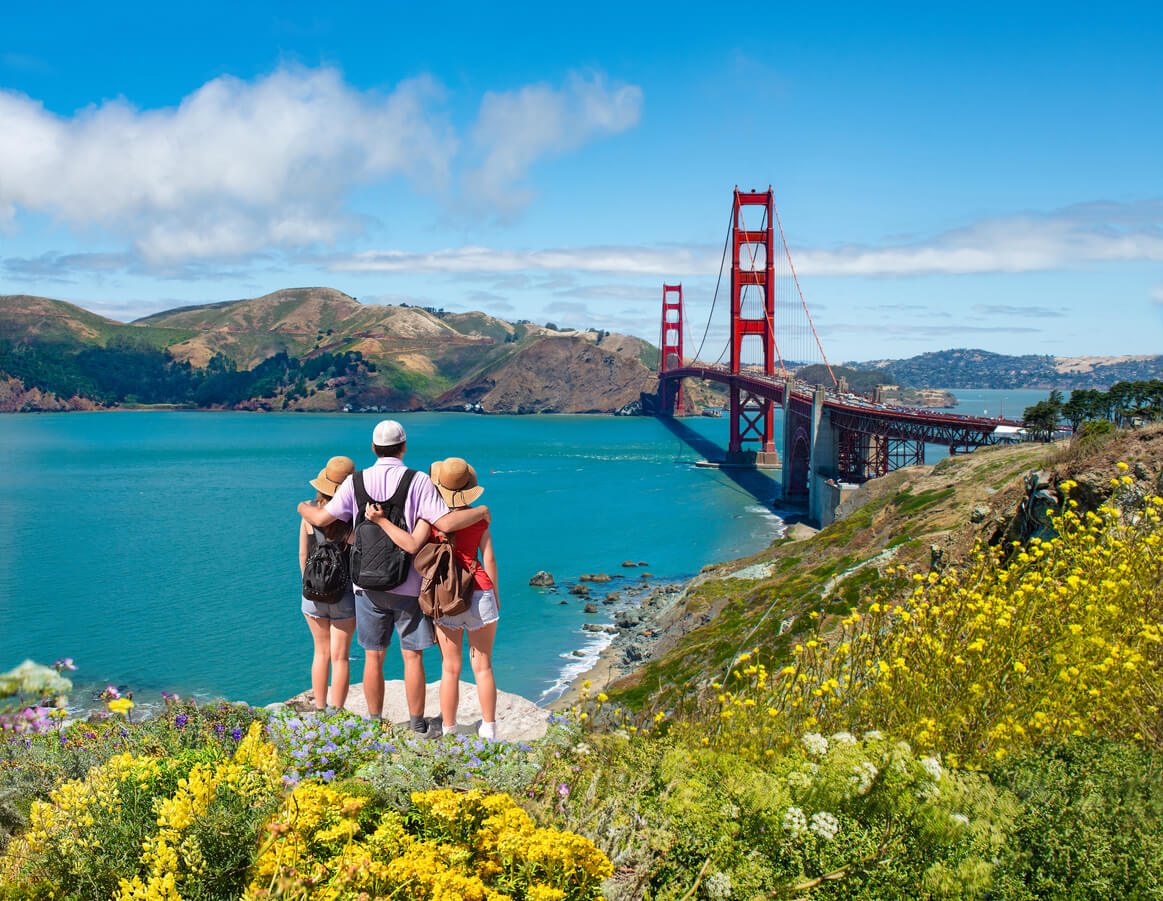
376, 561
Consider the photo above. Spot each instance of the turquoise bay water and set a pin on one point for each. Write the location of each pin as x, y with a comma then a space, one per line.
159, 549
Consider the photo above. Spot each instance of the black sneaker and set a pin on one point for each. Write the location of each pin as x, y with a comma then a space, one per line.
430, 729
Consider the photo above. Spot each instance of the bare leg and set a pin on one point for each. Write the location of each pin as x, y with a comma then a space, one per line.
451, 651
480, 655
341, 632
413, 681
321, 636
373, 681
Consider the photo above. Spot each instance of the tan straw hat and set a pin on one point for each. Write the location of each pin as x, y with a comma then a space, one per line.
456, 481
332, 475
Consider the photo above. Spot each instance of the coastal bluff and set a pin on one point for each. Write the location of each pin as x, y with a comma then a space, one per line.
518, 719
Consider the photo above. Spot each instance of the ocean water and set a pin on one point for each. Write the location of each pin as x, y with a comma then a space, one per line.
159, 549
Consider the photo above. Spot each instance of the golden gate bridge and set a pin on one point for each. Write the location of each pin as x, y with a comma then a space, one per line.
831, 437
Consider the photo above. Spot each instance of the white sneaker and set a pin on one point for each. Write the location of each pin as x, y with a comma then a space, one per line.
487, 730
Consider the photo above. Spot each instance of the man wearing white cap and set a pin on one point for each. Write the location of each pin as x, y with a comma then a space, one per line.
379, 613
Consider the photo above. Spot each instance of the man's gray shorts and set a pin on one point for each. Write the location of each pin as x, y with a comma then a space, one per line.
377, 613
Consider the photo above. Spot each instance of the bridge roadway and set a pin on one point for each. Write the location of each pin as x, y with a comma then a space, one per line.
831, 439
907, 423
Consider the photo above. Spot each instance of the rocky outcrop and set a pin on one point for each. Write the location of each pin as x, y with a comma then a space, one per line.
542, 579
15, 398
555, 375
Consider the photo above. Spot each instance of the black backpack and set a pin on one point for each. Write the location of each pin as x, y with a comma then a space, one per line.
325, 574
376, 562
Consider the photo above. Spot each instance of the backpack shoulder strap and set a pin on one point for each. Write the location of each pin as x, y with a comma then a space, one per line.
362, 499
401, 496
317, 532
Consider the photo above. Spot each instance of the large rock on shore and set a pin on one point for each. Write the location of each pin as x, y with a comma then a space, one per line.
517, 718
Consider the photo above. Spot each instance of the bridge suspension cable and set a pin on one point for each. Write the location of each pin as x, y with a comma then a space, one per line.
715, 299
766, 317
796, 279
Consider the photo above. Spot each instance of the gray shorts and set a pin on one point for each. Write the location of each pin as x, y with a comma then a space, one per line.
481, 612
344, 608
377, 613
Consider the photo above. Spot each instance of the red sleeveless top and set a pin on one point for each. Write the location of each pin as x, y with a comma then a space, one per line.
465, 545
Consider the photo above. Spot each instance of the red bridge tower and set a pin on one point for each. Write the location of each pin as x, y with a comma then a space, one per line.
671, 348
752, 267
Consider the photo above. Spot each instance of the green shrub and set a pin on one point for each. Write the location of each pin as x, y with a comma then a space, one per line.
1091, 823
31, 766
832, 818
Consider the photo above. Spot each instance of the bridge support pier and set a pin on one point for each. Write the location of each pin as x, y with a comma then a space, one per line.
752, 439
821, 461
670, 350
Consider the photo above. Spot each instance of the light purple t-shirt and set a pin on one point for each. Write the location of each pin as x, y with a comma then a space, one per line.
381, 481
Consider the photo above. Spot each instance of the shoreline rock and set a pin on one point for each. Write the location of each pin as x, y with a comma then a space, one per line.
638, 629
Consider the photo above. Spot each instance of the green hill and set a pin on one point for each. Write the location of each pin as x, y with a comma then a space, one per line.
309, 348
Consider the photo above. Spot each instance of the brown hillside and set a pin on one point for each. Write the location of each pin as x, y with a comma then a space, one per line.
556, 375
24, 316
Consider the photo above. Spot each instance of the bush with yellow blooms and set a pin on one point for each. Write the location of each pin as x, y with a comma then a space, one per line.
142, 828
1062, 637
328, 845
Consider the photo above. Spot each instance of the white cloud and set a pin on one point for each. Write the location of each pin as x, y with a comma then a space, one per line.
1001, 309
1157, 296
516, 128
610, 259
1032, 242
1062, 239
235, 167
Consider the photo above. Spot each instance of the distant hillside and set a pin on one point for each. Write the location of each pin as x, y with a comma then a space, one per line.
964, 368
556, 375
296, 349
859, 380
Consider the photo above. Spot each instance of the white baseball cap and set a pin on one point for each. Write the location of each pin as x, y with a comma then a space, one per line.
387, 433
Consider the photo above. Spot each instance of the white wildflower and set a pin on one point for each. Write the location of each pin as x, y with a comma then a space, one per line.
844, 738
730, 811
959, 818
815, 743
824, 825
582, 748
794, 821
718, 885
863, 776
799, 781
873, 735
933, 767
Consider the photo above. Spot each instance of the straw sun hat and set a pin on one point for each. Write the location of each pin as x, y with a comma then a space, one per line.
332, 475
456, 481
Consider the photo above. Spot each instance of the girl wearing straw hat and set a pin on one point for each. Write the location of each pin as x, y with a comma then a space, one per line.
331, 625
456, 481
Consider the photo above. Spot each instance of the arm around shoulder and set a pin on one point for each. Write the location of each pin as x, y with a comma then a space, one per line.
455, 520
316, 516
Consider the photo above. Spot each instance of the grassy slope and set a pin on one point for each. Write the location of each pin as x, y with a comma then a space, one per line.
54, 321
905, 514
420, 356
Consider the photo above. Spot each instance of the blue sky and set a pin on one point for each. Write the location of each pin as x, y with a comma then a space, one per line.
948, 175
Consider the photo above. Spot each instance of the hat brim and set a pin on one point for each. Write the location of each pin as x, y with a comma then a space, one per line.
462, 497
324, 485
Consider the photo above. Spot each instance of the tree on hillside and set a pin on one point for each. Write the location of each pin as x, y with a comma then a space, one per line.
1042, 418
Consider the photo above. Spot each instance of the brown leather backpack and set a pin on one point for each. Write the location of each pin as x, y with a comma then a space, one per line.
446, 586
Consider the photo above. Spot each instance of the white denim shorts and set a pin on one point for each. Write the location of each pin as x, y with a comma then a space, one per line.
482, 611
